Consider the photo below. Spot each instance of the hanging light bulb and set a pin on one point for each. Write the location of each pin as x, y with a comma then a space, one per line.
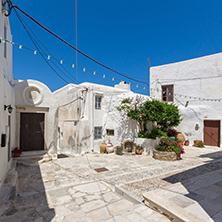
20, 46
35, 52
137, 86
48, 57
104, 76
113, 79
61, 61
144, 87
94, 73
73, 65
84, 69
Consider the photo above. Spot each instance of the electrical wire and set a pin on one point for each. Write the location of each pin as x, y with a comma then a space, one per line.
52, 33
39, 49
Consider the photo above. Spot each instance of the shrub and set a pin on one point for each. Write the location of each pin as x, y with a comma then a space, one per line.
172, 132
119, 150
166, 144
200, 144
138, 147
153, 134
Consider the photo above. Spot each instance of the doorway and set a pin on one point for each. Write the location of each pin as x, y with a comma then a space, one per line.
212, 132
32, 131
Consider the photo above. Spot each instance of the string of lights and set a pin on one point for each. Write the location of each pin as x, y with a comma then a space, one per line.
72, 65
71, 46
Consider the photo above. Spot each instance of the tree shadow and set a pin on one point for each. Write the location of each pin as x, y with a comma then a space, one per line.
203, 187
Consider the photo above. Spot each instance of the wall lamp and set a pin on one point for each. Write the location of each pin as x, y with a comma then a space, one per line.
9, 108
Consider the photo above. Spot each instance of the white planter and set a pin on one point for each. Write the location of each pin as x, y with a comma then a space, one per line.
109, 148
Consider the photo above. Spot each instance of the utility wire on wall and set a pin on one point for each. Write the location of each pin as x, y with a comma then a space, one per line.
99, 63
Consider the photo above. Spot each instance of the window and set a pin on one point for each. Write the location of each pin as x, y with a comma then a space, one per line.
167, 93
97, 133
110, 132
98, 100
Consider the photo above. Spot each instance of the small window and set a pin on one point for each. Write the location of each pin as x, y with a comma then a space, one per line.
167, 93
97, 133
110, 132
98, 100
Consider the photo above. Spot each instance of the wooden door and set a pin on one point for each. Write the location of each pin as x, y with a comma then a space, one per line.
212, 132
32, 131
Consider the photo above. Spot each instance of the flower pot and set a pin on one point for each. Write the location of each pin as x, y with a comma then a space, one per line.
16, 154
103, 148
187, 143
181, 137
109, 148
139, 152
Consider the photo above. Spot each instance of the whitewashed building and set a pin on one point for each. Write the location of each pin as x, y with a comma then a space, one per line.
195, 86
87, 116
7, 119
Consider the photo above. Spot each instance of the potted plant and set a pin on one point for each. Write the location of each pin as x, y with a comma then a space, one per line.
187, 143
139, 149
16, 152
119, 150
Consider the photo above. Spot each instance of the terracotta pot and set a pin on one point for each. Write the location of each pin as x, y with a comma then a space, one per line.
181, 137
139, 152
16, 154
103, 148
187, 143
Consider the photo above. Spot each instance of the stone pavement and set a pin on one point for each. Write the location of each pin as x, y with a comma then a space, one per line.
69, 189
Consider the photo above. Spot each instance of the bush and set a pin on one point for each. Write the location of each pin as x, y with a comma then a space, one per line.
119, 150
138, 147
200, 144
172, 132
166, 144
153, 134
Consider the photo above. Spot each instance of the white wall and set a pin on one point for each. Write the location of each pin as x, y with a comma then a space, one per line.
35, 97
196, 78
6, 97
80, 138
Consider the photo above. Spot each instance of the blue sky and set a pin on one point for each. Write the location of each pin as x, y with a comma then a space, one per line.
120, 34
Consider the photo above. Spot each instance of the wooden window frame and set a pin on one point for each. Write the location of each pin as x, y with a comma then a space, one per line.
98, 104
167, 86
96, 134
110, 132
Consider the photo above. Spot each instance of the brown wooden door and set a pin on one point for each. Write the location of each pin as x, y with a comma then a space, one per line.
212, 132
32, 131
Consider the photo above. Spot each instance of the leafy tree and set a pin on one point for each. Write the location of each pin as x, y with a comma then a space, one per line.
163, 114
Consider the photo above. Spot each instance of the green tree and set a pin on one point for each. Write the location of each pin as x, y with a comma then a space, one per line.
163, 114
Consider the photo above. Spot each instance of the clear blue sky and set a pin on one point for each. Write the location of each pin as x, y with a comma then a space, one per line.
119, 34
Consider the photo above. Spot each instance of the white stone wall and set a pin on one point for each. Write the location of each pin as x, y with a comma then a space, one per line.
77, 103
6, 97
200, 78
34, 97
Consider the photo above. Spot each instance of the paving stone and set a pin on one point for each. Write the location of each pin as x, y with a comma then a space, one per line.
182, 201
99, 214
207, 193
215, 188
110, 197
79, 200
118, 206
92, 197
218, 200
136, 217
92, 205
218, 217
91, 188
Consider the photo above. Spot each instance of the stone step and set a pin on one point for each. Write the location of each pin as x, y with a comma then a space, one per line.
173, 203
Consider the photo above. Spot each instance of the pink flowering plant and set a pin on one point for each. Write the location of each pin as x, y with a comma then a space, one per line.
172, 132
166, 144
